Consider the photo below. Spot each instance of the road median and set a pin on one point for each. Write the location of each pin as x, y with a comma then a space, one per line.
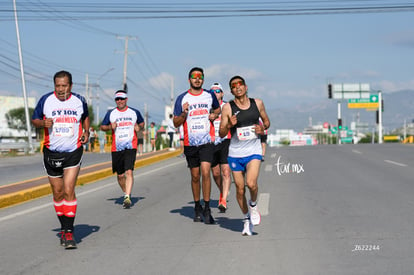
20, 192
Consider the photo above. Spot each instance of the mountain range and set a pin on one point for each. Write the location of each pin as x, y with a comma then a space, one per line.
398, 107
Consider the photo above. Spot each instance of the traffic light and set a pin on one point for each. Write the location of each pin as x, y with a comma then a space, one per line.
377, 117
329, 90
339, 123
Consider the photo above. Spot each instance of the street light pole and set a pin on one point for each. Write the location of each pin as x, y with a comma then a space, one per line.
339, 122
26, 107
380, 117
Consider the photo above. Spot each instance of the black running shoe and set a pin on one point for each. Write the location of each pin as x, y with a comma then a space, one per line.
197, 213
70, 242
208, 219
62, 238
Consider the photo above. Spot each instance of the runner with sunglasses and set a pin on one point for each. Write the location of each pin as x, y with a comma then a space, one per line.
220, 167
125, 122
192, 110
241, 117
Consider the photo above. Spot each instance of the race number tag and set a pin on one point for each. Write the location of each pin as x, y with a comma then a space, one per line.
199, 126
246, 133
63, 129
123, 134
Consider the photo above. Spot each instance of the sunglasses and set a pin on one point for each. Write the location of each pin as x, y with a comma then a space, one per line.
119, 98
237, 84
216, 91
197, 75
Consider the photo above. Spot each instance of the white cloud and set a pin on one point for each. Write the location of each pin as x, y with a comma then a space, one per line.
161, 81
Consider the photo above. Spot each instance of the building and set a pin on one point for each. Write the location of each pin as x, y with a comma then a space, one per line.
8, 103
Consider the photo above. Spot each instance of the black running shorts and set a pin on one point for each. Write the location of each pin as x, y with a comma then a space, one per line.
56, 162
221, 152
197, 154
123, 160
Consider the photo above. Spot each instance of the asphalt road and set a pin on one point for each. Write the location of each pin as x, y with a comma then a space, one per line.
19, 168
326, 210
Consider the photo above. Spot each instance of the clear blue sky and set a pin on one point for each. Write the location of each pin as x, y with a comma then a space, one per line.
286, 59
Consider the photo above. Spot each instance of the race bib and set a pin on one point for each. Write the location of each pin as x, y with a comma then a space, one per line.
199, 126
63, 129
123, 134
246, 133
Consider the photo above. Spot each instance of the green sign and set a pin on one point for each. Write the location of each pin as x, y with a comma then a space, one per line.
371, 99
346, 139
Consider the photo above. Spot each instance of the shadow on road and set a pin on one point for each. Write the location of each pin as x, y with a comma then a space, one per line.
81, 231
235, 225
120, 200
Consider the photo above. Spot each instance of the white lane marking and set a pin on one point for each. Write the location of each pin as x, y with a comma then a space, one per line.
27, 211
33, 209
396, 163
268, 168
356, 151
263, 203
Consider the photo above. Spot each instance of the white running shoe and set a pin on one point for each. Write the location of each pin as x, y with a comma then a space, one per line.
247, 228
254, 214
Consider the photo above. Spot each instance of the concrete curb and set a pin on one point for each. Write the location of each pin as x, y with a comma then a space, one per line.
44, 189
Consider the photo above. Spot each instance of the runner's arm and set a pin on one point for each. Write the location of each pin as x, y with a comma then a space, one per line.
225, 122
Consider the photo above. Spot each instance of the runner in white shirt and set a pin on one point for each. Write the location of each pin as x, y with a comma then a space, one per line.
192, 110
124, 122
220, 166
65, 119
241, 117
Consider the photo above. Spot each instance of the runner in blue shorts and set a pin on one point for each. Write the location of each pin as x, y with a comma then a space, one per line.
241, 117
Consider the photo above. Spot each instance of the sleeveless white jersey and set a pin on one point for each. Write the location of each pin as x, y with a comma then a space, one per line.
244, 141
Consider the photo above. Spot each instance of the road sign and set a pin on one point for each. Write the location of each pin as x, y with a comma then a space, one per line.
394, 138
362, 125
346, 91
346, 139
365, 103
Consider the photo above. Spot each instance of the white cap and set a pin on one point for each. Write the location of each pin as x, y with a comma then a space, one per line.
217, 86
120, 94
